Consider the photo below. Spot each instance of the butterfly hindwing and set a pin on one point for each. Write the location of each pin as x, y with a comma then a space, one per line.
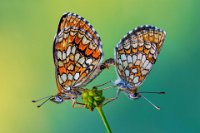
137, 52
77, 51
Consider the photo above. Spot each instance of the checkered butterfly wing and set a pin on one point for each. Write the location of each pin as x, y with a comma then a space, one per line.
77, 51
137, 52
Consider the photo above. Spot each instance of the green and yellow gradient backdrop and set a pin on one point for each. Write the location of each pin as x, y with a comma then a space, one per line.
27, 29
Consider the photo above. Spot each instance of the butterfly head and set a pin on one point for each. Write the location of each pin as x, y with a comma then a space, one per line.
128, 89
134, 95
56, 99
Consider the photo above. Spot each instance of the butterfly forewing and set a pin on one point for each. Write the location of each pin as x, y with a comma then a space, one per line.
137, 52
77, 51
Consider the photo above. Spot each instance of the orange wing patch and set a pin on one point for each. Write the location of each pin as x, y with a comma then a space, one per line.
144, 44
96, 53
77, 51
82, 46
72, 20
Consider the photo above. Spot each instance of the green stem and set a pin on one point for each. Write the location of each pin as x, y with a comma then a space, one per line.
99, 108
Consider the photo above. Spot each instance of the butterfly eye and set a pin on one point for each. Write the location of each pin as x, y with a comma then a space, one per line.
57, 99
134, 95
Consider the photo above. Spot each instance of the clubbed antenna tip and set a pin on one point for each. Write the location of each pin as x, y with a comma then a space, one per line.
162, 92
33, 101
47, 99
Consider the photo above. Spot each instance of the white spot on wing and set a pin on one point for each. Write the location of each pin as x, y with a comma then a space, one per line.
139, 56
134, 70
66, 35
85, 40
131, 76
143, 58
64, 77
59, 54
152, 50
125, 64
145, 64
68, 50
127, 46
73, 50
59, 79
148, 45
84, 65
137, 62
64, 55
155, 55
76, 76
67, 88
136, 79
138, 84
129, 59
123, 57
81, 60
144, 72
89, 61
149, 66
120, 67
70, 76
127, 72
72, 33
134, 45
134, 58
77, 56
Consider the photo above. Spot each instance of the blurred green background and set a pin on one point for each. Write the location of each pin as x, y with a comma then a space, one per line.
27, 29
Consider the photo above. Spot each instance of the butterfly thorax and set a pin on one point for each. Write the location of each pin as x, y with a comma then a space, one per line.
69, 94
133, 94
128, 89
122, 84
62, 96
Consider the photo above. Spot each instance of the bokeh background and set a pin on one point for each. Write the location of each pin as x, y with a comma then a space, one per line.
27, 29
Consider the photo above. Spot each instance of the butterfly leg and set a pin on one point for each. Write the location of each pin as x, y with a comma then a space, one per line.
104, 84
108, 63
108, 100
108, 87
76, 104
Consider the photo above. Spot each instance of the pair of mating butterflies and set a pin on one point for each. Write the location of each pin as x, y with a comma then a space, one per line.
77, 53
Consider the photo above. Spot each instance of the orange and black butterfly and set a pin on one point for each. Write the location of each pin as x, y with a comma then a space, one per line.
135, 55
77, 53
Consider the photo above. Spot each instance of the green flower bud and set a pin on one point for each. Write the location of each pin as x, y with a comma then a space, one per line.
91, 109
87, 105
99, 92
90, 106
95, 103
91, 93
85, 94
94, 88
90, 99
97, 98
102, 99
85, 100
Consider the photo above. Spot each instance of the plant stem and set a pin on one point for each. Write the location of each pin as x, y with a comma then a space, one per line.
99, 108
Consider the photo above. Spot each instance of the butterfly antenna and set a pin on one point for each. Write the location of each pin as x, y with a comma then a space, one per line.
44, 102
162, 92
34, 101
103, 84
47, 99
158, 108
108, 87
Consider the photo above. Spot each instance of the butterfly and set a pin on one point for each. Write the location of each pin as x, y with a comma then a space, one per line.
77, 54
135, 54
